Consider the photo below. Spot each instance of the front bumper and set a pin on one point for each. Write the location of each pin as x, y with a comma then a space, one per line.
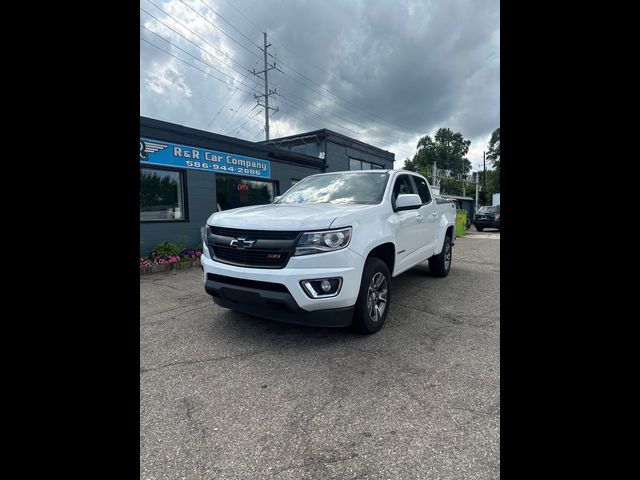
289, 303
487, 223
274, 305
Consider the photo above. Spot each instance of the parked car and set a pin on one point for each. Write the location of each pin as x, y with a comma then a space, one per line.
487, 217
324, 253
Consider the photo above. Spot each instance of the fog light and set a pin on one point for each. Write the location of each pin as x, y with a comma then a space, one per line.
322, 288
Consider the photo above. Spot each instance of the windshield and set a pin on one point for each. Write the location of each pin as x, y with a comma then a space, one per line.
487, 210
340, 188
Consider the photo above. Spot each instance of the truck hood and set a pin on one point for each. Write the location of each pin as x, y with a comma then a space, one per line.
303, 216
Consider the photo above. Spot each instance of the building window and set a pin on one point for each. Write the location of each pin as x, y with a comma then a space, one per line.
234, 192
161, 195
361, 165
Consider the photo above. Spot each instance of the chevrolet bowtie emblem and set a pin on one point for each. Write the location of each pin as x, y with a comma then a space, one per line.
242, 243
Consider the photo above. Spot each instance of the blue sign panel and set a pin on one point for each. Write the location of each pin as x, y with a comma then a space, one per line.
155, 152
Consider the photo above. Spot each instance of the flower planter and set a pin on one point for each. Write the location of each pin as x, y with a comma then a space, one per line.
163, 267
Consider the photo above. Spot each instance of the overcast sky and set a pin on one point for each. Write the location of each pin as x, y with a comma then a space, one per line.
382, 71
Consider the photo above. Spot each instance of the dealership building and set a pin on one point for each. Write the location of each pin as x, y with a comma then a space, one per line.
187, 174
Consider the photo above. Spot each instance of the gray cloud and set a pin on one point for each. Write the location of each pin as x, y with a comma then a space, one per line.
417, 65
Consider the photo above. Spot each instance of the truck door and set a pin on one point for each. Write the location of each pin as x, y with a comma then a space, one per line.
408, 222
430, 218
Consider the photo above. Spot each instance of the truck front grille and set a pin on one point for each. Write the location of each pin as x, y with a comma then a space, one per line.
270, 249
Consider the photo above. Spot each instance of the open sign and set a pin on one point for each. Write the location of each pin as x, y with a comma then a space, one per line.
243, 187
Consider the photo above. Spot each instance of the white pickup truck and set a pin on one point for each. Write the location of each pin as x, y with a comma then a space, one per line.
324, 253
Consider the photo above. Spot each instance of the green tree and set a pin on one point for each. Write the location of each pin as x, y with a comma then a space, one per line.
493, 156
447, 149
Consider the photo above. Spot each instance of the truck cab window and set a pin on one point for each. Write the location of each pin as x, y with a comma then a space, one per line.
402, 186
423, 190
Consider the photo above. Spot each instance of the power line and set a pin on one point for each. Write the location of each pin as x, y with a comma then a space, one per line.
387, 137
229, 23
339, 126
192, 92
193, 43
277, 123
302, 109
221, 108
242, 83
244, 16
363, 112
259, 134
253, 118
229, 120
404, 130
218, 28
239, 127
242, 74
185, 62
234, 110
198, 59
237, 123
293, 78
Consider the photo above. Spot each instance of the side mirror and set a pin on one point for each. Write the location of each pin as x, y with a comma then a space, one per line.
408, 201
277, 198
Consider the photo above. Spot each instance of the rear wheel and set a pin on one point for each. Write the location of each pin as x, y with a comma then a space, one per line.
372, 306
439, 265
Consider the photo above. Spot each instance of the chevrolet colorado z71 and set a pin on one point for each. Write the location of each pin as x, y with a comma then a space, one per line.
324, 253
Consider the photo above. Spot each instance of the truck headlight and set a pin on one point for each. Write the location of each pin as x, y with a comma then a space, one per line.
327, 241
203, 236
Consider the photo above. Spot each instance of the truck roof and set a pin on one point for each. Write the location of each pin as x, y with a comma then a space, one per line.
376, 170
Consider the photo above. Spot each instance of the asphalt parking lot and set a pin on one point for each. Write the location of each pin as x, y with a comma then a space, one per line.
229, 396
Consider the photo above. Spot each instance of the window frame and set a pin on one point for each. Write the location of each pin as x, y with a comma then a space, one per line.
185, 193
275, 183
415, 179
393, 187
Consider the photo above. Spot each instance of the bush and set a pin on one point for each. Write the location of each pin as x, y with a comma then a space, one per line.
190, 254
166, 250
169, 252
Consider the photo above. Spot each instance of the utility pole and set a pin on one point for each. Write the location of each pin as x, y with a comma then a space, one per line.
434, 172
484, 163
477, 188
267, 92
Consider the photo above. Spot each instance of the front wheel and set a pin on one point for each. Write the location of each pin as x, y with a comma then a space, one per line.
372, 306
439, 265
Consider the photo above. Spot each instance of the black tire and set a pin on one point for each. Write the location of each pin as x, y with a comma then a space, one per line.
479, 228
362, 322
439, 265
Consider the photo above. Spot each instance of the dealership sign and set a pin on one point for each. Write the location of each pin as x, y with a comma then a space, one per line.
154, 152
